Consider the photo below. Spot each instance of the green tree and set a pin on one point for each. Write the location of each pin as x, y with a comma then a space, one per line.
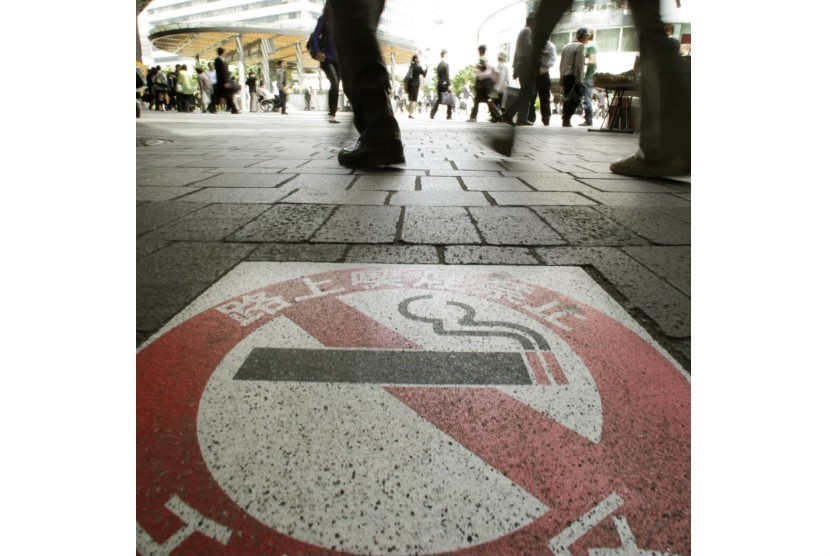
465, 76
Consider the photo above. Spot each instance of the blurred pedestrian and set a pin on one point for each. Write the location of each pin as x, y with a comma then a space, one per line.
366, 83
588, 80
484, 87
184, 85
205, 88
502, 78
665, 92
251, 84
225, 86
307, 96
542, 86
442, 86
281, 80
324, 50
571, 74
412, 83
522, 70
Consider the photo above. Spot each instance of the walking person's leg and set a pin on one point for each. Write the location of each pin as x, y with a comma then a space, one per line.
665, 99
332, 71
366, 83
543, 89
588, 101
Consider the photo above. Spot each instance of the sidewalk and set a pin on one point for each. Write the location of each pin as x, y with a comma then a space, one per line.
465, 355
216, 190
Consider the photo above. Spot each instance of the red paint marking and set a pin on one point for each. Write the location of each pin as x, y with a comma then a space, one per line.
643, 454
536, 367
337, 324
555, 370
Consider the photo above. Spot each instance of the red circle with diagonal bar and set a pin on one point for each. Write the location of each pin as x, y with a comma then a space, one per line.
627, 488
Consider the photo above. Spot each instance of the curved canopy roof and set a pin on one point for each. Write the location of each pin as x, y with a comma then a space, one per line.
203, 38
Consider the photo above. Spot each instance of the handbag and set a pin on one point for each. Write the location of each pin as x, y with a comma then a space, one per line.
448, 98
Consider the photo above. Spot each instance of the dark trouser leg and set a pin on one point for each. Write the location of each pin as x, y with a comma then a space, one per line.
332, 71
543, 89
665, 93
568, 107
365, 79
436, 104
366, 83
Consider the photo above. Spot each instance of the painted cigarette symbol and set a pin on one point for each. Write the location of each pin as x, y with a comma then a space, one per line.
361, 366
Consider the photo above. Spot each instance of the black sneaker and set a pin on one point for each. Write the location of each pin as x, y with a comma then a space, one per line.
382, 153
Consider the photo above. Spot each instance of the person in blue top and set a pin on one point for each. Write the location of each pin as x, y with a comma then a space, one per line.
323, 50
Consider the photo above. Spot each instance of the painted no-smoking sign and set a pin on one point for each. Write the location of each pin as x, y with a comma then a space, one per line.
380, 409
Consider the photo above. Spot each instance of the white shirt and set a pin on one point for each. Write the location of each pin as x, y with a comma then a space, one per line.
212, 75
548, 57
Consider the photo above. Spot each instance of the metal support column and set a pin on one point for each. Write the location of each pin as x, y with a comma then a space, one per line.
300, 78
266, 48
244, 99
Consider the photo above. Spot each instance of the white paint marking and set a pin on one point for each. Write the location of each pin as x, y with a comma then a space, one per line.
195, 522
560, 543
629, 543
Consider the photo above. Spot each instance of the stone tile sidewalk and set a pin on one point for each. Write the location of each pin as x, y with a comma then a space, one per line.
216, 190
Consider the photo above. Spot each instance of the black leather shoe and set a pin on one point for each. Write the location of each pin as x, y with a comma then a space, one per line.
381, 153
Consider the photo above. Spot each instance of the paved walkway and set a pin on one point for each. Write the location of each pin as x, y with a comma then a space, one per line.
217, 190
470, 354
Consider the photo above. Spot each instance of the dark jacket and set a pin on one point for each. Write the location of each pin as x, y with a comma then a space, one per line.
223, 74
443, 80
321, 41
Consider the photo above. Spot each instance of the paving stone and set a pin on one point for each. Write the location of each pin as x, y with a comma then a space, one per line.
681, 213
299, 252
435, 183
165, 161
439, 199
318, 196
280, 162
540, 198
652, 224
318, 171
393, 254
184, 262
668, 307
438, 225
494, 184
320, 181
672, 263
154, 193
639, 199
285, 223
150, 216
384, 183
223, 162
211, 223
464, 173
390, 171
631, 186
172, 177
555, 182
513, 166
585, 226
488, 254
144, 247
244, 180
260, 195
419, 163
513, 226
157, 303
364, 224
475, 164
